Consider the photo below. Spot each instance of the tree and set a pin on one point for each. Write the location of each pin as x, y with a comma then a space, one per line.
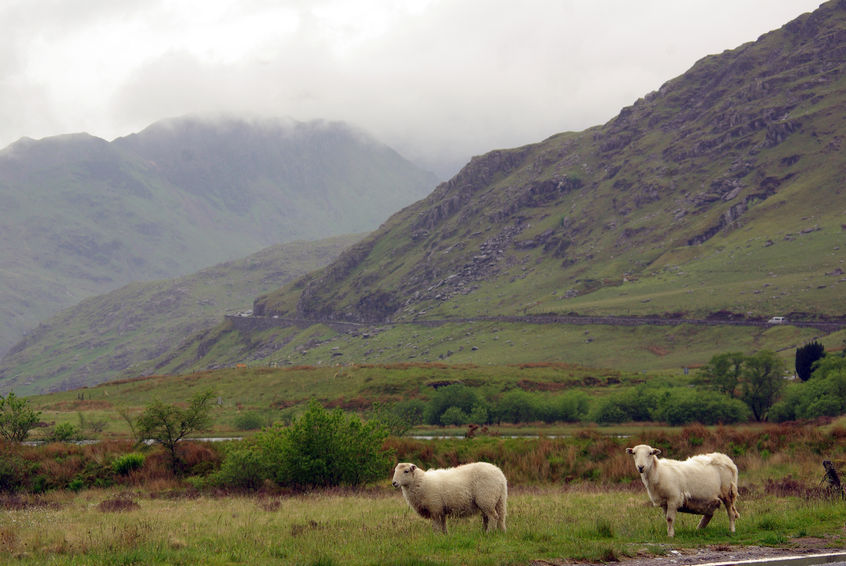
16, 418
762, 381
723, 373
168, 424
806, 356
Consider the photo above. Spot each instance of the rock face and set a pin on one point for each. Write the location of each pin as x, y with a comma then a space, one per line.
725, 146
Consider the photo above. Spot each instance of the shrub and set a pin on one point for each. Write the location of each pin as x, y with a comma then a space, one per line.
16, 418
243, 467
126, 463
249, 421
410, 411
518, 407
454, 416
569, 407
63, 432
319, 449
824, 395
635, 404
455, 395
684, 406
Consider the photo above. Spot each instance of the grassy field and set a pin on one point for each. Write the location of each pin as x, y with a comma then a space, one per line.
377, 527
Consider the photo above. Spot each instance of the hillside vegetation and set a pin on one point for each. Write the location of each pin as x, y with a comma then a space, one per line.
83, 216
718, 195
103, 336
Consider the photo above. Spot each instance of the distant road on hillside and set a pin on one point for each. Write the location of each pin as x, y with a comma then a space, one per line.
248, 321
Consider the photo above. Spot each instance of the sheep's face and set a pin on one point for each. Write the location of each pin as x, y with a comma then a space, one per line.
403, 475
642, 455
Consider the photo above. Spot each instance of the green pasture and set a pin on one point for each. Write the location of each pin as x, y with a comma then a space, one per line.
377, 527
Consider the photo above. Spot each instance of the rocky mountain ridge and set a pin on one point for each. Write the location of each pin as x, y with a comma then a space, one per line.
716, 150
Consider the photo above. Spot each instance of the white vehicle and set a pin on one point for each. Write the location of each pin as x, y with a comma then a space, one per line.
777, 320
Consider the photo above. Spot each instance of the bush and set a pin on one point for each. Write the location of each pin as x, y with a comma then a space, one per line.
126, 463
570, 407
16, 418
64, 432
249, 421
635, 404
454, 416
410, 411
243, 467
824, 395
319, 449
455, 395
684, 406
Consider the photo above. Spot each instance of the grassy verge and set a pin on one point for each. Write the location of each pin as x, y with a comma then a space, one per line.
377, 527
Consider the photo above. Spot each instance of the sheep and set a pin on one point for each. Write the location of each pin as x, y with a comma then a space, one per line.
460, 491
696, 486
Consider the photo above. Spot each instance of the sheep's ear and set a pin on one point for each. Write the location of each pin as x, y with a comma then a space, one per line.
629, 451
656, 451
412, 468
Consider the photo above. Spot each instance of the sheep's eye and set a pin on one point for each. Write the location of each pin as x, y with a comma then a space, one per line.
405, 471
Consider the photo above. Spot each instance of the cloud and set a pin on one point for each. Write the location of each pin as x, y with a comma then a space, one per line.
439, 79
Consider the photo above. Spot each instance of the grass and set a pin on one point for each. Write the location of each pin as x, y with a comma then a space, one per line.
377, 527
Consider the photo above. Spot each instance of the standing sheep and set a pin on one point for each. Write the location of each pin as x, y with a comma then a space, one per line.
460, 491
696, 486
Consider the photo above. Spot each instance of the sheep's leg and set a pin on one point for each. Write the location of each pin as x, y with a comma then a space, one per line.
500, 512
671, 519
731, 512
439, 523
500, 521
485, 522
704, 521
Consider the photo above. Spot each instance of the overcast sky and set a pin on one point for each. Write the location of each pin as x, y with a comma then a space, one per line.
440, 80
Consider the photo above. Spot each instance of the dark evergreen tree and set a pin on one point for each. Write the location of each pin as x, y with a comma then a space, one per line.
805, 358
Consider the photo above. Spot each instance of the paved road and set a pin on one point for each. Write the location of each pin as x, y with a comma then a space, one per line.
828, 326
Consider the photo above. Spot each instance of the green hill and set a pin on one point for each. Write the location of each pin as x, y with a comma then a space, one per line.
82, 216
718, 195
101, 337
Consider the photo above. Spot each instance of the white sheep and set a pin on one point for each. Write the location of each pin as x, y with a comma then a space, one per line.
696, 485
460, 491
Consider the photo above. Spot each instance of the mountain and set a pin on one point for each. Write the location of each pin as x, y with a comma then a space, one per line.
721, 194
97, 339
83, 216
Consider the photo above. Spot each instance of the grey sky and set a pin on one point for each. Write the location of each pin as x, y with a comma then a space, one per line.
440, 80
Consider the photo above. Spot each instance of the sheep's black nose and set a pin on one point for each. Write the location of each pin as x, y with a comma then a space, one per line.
640, 469
395, 484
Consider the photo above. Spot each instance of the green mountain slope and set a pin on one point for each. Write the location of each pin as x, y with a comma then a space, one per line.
101, 337
82, 216
726, 181
720, 194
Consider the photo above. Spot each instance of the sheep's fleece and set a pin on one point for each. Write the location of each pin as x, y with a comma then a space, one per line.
464, 490
697, 485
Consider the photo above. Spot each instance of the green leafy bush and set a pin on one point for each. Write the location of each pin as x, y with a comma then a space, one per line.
245, 467
455, 395
454, 416
636, 404
249, 421
126, 463
64, 432
684, 406
824, 395
319, 449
